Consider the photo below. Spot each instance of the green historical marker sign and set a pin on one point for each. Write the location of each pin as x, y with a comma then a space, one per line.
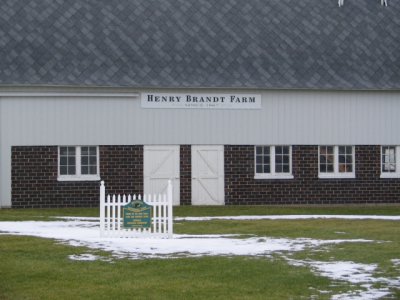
137, 214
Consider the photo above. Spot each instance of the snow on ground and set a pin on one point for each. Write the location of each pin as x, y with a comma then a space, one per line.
76, 231
355, 273
87, 257
396, 262
86, 233
78, 218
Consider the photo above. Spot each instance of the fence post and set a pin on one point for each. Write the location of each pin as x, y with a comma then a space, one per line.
170, 210
102, 206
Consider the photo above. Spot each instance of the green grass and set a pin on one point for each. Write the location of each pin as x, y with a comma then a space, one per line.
235, 210
187, 211
39, 269
314, 228
35, 268
7, 214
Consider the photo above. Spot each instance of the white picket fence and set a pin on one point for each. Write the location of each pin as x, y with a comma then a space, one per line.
111, 215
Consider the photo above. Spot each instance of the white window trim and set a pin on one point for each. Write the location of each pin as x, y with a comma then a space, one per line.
336, 173
391, 174
272, 175
78, 176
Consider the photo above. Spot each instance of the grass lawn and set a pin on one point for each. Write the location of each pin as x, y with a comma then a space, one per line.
36, 268
188, 211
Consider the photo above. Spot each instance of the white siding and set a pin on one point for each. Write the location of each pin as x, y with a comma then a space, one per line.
5, 163
286, 117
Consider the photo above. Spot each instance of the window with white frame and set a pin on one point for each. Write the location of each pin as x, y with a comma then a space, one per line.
273, 162
389, 161
78, 163
336, 162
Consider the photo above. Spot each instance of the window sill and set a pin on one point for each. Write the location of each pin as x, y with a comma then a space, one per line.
273, 176
390, 175
337, 176
78, 178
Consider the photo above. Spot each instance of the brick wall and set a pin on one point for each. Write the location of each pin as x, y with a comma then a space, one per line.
185, 174
306, 187
121, 167
34, 177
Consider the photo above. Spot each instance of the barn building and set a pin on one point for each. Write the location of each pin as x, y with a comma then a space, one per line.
238, 102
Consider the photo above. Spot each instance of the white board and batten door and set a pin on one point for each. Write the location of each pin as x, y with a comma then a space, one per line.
208, 175
161, 163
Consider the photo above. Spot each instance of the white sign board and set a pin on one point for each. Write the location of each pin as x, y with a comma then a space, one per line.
205, 101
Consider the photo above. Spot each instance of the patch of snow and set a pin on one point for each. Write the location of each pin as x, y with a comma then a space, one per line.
87, 257
78, 218
347, 271
396, 262
290, 217
86, 233
371, 294
354, 273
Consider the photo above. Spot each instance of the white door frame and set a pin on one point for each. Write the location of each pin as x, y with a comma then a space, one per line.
217, 173
173, 174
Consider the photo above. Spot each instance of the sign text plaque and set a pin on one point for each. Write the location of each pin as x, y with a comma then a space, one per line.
137, 214
201, 100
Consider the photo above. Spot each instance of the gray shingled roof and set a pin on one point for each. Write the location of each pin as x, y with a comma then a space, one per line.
201, 43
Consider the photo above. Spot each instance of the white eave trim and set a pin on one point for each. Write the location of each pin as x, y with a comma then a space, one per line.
68, 94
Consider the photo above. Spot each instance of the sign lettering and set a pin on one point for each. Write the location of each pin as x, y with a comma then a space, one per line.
204, 101
137, 214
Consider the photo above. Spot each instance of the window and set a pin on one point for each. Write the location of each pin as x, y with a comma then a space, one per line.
336, 162
78, 163
273, 162
389, 161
